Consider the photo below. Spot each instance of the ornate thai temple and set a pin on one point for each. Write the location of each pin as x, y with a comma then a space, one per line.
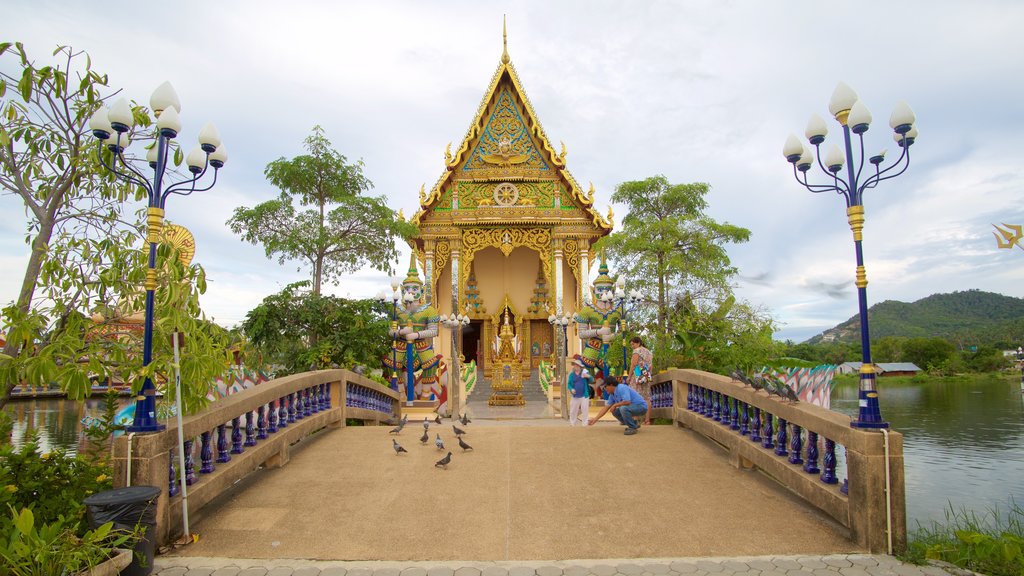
506, 233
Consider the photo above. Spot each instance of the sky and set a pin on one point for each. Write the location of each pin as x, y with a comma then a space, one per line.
699, 91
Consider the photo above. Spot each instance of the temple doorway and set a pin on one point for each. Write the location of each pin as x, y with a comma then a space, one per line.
471, 349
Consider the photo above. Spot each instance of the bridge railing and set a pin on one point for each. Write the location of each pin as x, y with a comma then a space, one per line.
798, 445
240, 433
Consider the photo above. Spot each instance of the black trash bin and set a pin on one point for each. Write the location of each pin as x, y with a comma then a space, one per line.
126, 508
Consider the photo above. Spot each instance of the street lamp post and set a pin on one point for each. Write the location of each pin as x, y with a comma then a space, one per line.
561, 353
396, 297
854, 117
455, 323
621, 300
111, 128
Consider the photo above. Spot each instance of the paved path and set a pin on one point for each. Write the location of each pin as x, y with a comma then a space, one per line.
833, 565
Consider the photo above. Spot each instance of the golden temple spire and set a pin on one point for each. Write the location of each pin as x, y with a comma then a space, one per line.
504, 42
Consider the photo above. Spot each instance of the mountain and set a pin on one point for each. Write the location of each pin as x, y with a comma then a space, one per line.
971, 317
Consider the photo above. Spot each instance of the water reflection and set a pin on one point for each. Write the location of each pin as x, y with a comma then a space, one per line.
963, 442
57, 421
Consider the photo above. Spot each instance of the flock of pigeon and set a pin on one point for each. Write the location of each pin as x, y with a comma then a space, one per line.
770, 383
438, 442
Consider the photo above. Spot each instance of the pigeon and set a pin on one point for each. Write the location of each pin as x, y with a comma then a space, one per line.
789, 393
443, 462
405, 420
463, 445
465, 419
439, 443
396, 429
426, 424
757, 383
738, 374
437, 418
424, 438
398, 447
458, 431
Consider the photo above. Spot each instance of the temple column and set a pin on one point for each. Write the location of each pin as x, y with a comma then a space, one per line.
428, 270
455, 390
584, 286
561, 343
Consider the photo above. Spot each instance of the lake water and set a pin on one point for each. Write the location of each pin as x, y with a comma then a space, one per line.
963, 442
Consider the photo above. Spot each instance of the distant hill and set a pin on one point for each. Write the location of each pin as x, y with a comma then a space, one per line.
966, 318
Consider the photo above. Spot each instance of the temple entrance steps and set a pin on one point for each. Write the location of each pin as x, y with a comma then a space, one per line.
532, 392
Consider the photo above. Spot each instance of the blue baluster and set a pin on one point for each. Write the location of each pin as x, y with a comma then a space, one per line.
828, 476
781, 437
282, 412
205, 454
745, 420
327, 395
291, 408
755, 426
250, 430
768, 432
689, 397
222, 444
811, 466
845, 488
735, 414
172, 477
717, 409
306, 403
261, 422
236, 435
190, 463
322, 388
796, 446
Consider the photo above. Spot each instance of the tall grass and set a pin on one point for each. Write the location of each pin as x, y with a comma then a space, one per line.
990, 543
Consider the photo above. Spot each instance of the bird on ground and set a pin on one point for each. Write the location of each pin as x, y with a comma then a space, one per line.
757, 383
437, 418
426, 423
443, 462
465, 419
424, 438
463, 445
439, 443
788, 393
398, 447
396, 429
405, 420
458, 431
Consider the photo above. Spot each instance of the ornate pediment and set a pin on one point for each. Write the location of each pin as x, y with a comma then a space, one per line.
505, 148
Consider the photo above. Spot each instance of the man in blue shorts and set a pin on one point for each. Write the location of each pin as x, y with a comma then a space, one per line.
624, 402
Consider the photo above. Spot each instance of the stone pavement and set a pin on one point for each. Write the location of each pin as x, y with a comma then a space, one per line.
832, 565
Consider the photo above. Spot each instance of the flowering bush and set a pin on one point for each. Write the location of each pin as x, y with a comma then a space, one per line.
52, 485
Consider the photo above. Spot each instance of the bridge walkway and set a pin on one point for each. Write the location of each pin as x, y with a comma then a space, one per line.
531, 490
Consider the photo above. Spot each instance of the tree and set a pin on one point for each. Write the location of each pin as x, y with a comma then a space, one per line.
342, 232
85, 257
297, 330
670, 248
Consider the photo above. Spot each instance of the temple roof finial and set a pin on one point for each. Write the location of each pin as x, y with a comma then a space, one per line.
504, 41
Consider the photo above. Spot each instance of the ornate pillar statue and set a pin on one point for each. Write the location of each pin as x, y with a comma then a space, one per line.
597, 320
413, 341
561, 347
455, 377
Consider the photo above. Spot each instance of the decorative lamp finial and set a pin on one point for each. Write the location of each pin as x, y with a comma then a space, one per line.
504, 42
414, 275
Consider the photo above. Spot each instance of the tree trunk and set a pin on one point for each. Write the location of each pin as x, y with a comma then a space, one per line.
28, 288
662, 310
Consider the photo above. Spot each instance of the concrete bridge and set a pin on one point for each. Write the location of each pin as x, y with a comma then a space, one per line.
280, 475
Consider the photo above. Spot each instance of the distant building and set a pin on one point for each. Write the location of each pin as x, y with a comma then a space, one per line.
884, 368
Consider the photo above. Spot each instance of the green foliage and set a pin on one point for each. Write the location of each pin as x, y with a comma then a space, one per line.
298, 330
51, 485
732, 335
342, 232
988, 544
669, 249
54, 548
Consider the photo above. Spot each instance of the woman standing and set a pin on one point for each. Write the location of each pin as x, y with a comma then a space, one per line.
640, 367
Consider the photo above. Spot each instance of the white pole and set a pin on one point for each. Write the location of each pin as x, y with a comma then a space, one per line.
181, 435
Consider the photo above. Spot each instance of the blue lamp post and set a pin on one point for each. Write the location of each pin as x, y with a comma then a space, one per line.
622, 299
112, 128
854, 117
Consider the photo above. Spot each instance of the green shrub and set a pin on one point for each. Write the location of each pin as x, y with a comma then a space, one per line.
990, 544
52, 485
54, 548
